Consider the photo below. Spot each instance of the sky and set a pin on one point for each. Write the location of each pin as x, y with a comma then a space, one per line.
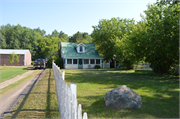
69, 16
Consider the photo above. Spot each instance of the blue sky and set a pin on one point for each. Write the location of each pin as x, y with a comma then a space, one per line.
68, 16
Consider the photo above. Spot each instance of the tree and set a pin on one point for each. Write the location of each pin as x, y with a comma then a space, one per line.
3, 41
155, 39
42, 32
11, 58
77, 37
17, 58
18, 37
87, 37
107, 32
48, 47
55, 33
63, 36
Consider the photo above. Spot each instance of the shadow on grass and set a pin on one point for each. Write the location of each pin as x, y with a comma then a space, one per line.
25, 98
48, 111
48, 98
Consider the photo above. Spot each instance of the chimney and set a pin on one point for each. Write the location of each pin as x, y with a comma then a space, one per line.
60, 49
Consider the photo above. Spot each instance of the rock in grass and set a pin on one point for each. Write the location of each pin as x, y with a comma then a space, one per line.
123, 97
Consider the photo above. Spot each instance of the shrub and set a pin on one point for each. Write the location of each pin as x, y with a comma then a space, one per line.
57, 60
172, 71
32, 62
97, 67
4, 65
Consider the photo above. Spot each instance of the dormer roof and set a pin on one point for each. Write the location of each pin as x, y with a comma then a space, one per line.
80, 44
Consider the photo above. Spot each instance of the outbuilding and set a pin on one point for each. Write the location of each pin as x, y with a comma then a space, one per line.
24, 59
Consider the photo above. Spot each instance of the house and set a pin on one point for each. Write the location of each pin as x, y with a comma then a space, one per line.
79, 55
24, 59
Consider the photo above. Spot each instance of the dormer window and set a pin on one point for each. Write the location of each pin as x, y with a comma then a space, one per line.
80, 48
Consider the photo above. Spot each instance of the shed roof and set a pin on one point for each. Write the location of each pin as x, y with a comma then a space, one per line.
10, 51
69, 51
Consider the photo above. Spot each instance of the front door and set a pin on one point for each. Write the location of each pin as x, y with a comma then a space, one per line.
80, 66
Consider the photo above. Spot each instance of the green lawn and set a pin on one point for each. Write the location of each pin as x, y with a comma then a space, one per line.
160, 94
7, 73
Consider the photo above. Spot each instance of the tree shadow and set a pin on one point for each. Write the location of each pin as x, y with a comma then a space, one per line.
17, 111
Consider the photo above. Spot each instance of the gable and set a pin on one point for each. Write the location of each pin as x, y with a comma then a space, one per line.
69, 51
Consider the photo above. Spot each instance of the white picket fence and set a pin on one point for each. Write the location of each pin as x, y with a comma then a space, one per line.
67, 101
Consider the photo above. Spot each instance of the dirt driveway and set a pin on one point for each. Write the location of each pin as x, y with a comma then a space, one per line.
8, 101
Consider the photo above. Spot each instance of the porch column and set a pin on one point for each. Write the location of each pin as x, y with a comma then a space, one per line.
65, 63
72, 61
100, 63
89, 61
77, 63
95, 61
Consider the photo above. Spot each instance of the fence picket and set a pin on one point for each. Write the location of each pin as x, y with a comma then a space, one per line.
79, 112
85, 115
66, 97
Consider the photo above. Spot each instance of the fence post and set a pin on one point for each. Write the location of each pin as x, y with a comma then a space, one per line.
63, 75
73, 89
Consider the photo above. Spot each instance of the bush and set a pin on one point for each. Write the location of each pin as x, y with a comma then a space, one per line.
97, 67
172, 71
57, 60
49, 62
32, 62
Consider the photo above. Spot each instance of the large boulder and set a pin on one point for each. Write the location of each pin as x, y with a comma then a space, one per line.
123, 97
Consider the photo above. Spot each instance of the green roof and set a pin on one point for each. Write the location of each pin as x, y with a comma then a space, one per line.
69, 51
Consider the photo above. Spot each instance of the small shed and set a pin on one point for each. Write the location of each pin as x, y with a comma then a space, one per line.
25, 57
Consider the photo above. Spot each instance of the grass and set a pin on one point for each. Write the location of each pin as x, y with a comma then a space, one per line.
40, 102
10, 72
12, 86
160, 94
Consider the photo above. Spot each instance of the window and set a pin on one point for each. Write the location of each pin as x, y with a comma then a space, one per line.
74, 61
92, 61
69, 61
81, 48
97, 61
86, 61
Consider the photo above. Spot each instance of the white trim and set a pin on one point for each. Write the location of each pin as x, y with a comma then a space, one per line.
78, 49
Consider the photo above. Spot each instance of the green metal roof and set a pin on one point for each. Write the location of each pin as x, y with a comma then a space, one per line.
69, 51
